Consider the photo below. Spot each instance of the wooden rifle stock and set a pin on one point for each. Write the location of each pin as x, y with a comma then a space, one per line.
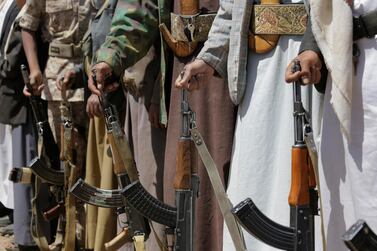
302, 177
121, 239
182, 179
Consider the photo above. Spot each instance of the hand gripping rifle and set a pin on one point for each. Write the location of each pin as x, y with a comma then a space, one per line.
360, 237
186, 183
303, 198
124, 169
39, 169
189, 8
46, 143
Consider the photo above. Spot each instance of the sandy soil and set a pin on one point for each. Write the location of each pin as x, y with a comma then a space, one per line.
6, 242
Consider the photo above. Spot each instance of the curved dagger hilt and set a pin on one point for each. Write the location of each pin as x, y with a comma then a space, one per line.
182, 48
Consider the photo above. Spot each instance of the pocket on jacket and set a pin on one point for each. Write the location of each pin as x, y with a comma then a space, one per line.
54, 6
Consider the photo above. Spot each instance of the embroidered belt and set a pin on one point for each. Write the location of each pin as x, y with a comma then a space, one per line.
191, 28
281, 19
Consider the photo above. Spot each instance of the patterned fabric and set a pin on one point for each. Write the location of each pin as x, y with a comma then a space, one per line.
61, 21
226, 47
279, 19
134, 30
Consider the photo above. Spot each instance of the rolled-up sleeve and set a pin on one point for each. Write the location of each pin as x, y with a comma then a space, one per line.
134, 29
216, 48
32, 14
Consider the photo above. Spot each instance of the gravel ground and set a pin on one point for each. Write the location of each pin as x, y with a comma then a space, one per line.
6, 242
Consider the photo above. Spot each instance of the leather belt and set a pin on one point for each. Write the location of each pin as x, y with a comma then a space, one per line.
64, 50
279, 19
365, 25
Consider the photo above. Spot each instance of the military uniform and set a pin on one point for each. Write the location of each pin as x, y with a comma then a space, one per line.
101, 223
63, 24
133, 33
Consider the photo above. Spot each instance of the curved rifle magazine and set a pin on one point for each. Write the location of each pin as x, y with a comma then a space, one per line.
147, 205
263, 228
96, 196
46, 173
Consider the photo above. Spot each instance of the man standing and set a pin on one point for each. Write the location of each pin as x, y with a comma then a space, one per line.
136, 61
63, 24
349, 48
214, 123
261, 164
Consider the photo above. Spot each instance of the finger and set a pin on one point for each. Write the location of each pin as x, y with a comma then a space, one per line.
317, 77
40, 88
97, 110
112, 87
26, 92
92, 87
193, 84
306, 75
184, 77
88, 110
291, 77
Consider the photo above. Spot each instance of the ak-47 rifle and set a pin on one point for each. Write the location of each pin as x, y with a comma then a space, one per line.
186, 182
124, 168
46, 143
303, 198
110, 198
360, 237
40, 168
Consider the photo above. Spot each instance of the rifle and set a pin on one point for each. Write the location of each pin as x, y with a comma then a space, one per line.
96, 196
303, 198
359, 237
46, 143
186, 182
40, 167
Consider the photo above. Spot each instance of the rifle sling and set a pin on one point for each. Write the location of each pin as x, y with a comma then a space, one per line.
309, 140
218, 187
36, 217
70, 171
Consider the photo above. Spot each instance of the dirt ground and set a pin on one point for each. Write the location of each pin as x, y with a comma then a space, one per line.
6, 242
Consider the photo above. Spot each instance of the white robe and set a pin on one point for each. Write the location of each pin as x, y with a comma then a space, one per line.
6, 186
349, 169
261, 161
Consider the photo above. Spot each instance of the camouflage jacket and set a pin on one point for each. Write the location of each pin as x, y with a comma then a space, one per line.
61, 22
133, 32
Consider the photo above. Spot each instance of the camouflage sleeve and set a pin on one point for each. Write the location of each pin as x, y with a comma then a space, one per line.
32, 14
133, 31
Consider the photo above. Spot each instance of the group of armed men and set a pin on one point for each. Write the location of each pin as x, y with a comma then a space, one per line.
99, 96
